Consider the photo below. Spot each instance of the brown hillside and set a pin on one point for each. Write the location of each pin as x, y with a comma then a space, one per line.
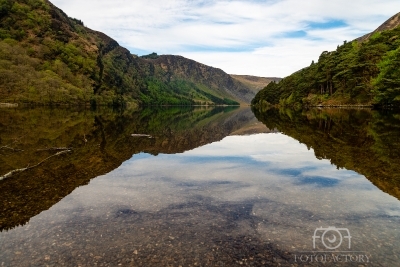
255, 83
390, 24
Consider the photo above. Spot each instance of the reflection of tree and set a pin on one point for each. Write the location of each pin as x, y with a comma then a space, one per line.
361, 140
100, 142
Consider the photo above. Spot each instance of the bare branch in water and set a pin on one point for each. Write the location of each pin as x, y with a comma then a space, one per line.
54, 149
13, 172
10, 148
142, 135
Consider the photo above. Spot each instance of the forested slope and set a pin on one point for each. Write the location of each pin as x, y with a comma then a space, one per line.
205, 84
365, 71
47, 57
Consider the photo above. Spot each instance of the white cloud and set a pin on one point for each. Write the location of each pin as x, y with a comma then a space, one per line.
243, 37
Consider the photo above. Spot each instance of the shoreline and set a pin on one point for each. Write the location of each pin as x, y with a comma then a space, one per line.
342, 106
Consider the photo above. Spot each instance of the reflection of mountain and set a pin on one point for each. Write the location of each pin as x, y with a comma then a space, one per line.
100, 142
365, 141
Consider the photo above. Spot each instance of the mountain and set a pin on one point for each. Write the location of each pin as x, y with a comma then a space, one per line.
204, 83
390, 24
253, 82
365, 72
47, 57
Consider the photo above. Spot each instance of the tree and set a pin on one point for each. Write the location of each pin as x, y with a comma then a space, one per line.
387, 84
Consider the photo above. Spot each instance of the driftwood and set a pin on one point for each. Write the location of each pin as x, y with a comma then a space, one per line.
142, 135
13, 172
8, 105
10, 148
54, 149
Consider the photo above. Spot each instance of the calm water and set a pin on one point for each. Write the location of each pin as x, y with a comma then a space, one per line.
207, 187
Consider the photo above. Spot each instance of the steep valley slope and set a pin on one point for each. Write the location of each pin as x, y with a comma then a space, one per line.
47, 58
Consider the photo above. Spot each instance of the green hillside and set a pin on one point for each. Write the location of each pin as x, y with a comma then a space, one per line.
47, 57
203, 83
361, 72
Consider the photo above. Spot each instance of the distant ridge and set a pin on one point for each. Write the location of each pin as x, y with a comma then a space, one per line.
389, 24
255, 83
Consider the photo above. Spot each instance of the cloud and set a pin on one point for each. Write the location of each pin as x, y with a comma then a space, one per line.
265, 38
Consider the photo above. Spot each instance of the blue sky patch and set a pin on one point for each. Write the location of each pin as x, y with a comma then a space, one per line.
331, 24
294, 34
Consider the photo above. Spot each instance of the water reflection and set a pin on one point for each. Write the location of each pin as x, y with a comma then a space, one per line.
100, 142
245, 200
365, 141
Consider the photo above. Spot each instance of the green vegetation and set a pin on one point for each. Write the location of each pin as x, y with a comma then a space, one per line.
151, 56
36, 65
203, 84
356, 73
179, 92
161, 93
47, 58
362, 140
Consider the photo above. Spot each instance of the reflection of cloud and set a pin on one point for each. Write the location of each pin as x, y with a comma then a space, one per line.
254, 184
238, 168
317, 181
293, 172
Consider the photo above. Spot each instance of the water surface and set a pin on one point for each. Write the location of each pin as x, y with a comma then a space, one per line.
207, 188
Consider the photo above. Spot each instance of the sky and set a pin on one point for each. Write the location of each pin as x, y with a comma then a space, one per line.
269, 38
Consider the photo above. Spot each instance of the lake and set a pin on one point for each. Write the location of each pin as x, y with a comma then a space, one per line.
199, 187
